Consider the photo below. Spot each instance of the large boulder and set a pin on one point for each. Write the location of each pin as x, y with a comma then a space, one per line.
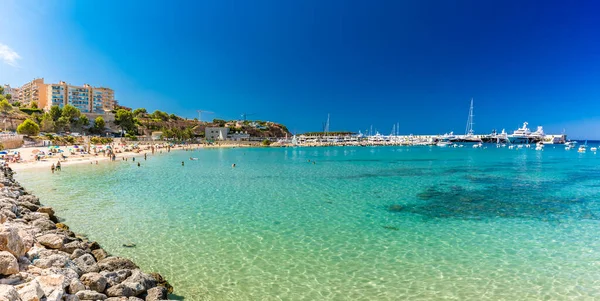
90, 295
30, 198
54, 260
87, 264
32, 291
94, 281
161, 281
8, 264
8, 293
11, 241
70, 298
72, 246
29, 206
75, 286
120, 290
157, 293
53, 285
77, 253
99, 254
47, 210
9, 204
44, 224
116, 263
32, 216
139, 282
52, 241
116, 277
69, 273
7, 215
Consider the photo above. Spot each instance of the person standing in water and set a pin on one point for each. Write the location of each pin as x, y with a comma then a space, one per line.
58, 168
145, 155
182, 163
52, 167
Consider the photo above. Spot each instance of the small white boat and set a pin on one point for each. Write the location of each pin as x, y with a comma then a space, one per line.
539, 146
511, 146
594, 149
478, 145
443, 143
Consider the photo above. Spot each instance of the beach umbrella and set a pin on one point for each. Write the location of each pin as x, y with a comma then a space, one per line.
3, 153
75, 146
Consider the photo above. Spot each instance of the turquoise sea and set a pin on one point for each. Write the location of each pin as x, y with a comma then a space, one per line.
362, 223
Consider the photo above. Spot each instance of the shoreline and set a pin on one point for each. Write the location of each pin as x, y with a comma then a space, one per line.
40, 258
30, 164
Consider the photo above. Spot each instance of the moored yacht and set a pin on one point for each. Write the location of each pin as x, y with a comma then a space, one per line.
521, 135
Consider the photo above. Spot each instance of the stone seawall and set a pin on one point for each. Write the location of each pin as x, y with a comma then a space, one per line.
41, 259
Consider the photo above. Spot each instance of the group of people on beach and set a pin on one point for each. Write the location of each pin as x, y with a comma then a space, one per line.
56, 167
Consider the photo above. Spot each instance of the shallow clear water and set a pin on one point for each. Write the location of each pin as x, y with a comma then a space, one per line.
363, 223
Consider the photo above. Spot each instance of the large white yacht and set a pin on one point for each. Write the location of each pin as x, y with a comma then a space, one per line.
521, 136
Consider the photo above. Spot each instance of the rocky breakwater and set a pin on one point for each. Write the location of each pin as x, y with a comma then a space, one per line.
41, 259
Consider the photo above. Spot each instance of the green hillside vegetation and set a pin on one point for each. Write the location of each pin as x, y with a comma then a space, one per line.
132, 122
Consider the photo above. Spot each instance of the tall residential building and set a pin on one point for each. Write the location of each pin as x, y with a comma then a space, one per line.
33, 91
86, 98
14, 93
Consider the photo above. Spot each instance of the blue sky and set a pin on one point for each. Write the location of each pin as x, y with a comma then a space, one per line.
365, 62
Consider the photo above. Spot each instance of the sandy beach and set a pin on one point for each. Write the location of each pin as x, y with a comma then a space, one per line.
28, 154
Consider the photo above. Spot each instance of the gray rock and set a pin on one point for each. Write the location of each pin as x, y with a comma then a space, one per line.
72, 246
47, 210
32, 216
11, 241
52, 241
68, 274
9, 204
157, 293
23, 262
32, 291
7, 215
8, 264
99, 254
134, 299
15, 279
116, 277
87, 264
90, 295
116, 263
55, 260
30, 198
118, 299
139, 282
120, 290
56, 295
8, 293
44, 224
76, 286
70, 298
94, 281
29, 206
77, 253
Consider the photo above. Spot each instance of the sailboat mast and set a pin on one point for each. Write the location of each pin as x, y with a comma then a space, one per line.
469, 129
